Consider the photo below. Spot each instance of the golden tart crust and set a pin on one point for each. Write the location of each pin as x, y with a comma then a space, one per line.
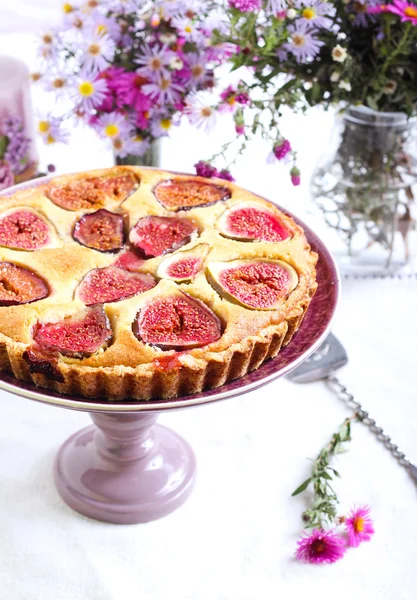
129, 368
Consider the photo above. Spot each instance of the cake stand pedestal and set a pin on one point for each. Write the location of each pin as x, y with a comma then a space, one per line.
125, 469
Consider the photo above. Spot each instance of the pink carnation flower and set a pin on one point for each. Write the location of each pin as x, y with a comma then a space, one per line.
359, 526
320, 547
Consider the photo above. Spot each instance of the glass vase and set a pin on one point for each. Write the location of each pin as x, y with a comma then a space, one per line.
365, 186
150, 158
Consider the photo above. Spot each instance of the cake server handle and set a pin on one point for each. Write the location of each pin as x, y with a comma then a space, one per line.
343, 394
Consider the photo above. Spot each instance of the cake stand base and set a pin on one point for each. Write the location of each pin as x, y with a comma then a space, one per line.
125, 469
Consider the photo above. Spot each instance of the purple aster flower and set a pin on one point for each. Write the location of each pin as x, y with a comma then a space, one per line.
274, 7
303, 43
154, 62
204, 169
164, 91
17, 145
89, 92
359, 526
113, 125
200, 110
6, 176
195, 69
320, 547
316, 12
245, 5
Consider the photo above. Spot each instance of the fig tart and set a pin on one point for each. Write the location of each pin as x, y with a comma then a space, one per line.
132, 283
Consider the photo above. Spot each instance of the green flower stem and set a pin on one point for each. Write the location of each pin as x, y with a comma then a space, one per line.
325, 501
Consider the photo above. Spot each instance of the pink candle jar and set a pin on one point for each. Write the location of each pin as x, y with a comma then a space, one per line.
18, 154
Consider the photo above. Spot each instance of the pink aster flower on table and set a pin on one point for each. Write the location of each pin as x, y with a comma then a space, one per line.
245, 5
89, 91
320, 547
154, 62
201, 111
359, 526
302, 43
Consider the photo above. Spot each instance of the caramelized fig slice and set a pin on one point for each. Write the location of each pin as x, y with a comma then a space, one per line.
77, 338
183, 194
153, 236
252, 222
177, 322
111, 284
255, 284
129, 261
183, 266
93, 192
20, 286
101, 230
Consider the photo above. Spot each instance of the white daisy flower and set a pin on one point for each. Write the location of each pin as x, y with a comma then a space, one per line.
201, 111
99, 50
88, 92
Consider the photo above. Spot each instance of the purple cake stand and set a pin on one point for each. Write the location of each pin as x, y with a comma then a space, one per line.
124, 468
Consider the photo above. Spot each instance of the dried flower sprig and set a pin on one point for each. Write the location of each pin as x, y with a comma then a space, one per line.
324, 507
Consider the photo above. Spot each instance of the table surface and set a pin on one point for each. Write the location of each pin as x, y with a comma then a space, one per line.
234, 539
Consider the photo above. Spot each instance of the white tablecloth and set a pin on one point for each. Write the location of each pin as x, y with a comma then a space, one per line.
234, 538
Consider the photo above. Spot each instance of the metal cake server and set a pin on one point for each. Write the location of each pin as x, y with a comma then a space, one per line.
321, 365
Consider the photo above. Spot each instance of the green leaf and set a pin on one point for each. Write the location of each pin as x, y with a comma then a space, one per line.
327, 476
302, 487
4, 142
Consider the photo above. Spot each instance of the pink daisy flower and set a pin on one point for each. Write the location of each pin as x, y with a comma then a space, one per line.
359, 526
245, 5
407, 11
320, 547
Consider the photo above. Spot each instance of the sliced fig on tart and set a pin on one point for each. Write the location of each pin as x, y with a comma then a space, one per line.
183, 266
111, 284
129, 261
177, 321
154, 236
25, 229
93, 192
19, 285
101, 230
76, 337
252, 222
256, 284
183, 194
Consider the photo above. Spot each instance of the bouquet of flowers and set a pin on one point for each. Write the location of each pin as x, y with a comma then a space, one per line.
128, 68
300, 53
14, 151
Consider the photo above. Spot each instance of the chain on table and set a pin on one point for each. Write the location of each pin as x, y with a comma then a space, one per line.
346, 397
